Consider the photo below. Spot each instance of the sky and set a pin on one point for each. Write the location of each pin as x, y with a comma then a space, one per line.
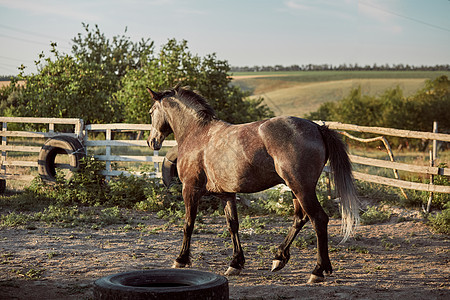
243, 32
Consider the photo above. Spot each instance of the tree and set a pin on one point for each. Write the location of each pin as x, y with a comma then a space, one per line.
65, 87
105, 81
117, 56
392, 109
175, 64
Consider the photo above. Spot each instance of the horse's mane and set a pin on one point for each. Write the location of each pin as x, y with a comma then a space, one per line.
196, 102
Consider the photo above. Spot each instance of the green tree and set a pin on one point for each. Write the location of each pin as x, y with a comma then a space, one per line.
175, 64
65, 87
105, 81
116, 56
392, 109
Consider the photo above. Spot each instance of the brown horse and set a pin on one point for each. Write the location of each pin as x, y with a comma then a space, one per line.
225, 159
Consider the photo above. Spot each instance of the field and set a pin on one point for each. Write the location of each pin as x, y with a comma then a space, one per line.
299, 93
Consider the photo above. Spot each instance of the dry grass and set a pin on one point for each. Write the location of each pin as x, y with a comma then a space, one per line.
300, 98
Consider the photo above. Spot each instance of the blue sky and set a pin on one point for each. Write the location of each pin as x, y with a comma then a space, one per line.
243, 32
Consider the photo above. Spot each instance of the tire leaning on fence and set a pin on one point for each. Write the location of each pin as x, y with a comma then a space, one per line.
2, 186
62, 144
169, 166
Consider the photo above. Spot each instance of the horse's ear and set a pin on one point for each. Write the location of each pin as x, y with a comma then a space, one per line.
177, 86
155, 95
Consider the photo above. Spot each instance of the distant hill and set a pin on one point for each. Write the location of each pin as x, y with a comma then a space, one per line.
299, 93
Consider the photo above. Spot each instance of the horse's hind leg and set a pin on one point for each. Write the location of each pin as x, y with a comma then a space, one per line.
319, 219
238, 260
283, 255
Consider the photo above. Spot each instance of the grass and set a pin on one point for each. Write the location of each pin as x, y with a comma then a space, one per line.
299, 93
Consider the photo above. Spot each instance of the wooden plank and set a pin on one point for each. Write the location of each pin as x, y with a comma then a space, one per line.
118, 126
20, 163
402, 183
399, 166
169, 143
19, 177
34, 134
19, 148
125, 143
388, 131
72, 121
119, 143
127, 173
129, 158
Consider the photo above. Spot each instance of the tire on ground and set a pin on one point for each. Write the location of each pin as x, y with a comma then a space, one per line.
162, 284
169, 166
59, 145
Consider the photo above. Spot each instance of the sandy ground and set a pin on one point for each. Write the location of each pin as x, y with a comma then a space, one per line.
401, 259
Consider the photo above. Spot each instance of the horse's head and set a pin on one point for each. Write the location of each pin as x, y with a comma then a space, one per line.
160, 125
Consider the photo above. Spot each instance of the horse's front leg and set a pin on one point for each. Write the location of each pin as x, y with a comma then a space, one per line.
191, 196
238, 260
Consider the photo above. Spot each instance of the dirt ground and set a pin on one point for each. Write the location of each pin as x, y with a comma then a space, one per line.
401, 259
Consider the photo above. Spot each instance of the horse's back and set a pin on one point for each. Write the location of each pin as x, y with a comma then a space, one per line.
296, 146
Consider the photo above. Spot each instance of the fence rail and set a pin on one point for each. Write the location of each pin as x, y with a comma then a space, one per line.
396, 182
7, 163
109, 142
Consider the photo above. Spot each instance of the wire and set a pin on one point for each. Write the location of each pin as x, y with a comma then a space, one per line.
16, 59
30, 41
33, 33
405, 17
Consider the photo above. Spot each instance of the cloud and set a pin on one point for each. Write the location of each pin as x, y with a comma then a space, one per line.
74, 10
342, 9
380, 13
297, 5
377, 12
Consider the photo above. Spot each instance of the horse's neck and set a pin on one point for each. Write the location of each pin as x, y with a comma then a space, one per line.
183, 124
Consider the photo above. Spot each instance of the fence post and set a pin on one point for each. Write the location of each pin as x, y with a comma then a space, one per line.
433, 157
4, 141
108, 154
435, 130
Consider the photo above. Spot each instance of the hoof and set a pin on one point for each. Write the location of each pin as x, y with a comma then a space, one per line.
232, 271
315, 279
277, 265
177, 265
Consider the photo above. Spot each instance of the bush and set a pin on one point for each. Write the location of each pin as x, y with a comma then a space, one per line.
440, 222
374, 215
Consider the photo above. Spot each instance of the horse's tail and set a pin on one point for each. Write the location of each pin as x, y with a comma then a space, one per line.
343, 179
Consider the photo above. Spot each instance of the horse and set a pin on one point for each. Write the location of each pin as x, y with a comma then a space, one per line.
223, 159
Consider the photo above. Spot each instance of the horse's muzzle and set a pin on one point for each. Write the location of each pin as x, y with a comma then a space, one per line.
154, 144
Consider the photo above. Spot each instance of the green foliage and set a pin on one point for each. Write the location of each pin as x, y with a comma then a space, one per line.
374, 215
105, 81
440, 222
274, 200
67, 88
116, 56
392, 109
175, 64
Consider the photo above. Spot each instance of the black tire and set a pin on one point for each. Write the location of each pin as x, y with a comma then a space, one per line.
169, 166
59, 145
162, 284
2, 186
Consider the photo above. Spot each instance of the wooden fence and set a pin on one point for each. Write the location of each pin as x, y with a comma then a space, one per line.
8, 162
82, 132
109, 142
429, 170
